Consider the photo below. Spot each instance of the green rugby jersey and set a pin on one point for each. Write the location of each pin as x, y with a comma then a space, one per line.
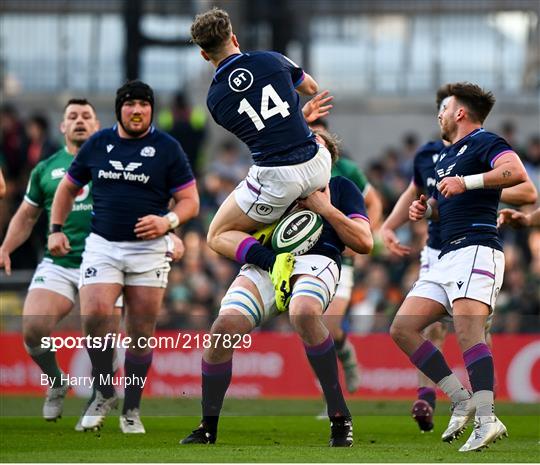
44, 180
348, 169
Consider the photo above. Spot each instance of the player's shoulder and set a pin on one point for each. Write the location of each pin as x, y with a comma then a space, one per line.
43, 165
165, 139
268, 58
165, 143
430, 148
347, 164
484, 137
340, 184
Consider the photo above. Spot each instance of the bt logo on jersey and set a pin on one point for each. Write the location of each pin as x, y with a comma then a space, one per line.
240, 80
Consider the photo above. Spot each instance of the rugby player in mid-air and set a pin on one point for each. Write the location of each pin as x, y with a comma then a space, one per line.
135, 170
54, 286
424, 182
250, 300
466, 279
255, 96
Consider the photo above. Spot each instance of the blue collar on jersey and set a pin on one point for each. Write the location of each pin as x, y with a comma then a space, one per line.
226, 62
471, 134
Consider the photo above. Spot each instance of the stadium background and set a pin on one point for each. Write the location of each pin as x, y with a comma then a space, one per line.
382, 60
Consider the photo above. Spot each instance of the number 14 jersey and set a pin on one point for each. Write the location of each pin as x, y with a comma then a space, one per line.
253, 96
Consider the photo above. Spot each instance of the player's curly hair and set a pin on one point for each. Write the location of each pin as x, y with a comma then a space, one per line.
210, 30
331, 141
478, 101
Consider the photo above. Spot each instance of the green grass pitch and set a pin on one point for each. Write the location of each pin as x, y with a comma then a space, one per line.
255, 431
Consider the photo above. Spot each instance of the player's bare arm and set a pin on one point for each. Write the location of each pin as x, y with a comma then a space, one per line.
186, 207
507, 171
308, 86
354, 232
64, 198
318, 107
397, 218
19, 230
3, 187
517, 219
521, 194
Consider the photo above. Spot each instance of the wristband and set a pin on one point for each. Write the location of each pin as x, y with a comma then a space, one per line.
474, 181
429, 212
173, 220
56, 228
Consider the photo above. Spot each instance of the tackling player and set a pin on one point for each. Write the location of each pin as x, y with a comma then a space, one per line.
255, 96
54, 285
135, 169
467, 277
251, 299
334, 315
424, 182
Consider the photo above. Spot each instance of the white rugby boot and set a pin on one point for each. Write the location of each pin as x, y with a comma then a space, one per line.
54, 402
130, 422
97, 411
462, 412
486, 430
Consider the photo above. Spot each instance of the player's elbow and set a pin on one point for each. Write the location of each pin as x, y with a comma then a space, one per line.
530, 196
522, 175
363, 244
308, 86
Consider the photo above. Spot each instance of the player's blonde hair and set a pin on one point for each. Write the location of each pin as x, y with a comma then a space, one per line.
211, 30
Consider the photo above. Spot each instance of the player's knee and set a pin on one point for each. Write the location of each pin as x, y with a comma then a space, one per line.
32, 336
398, 332
304, 312
226, 325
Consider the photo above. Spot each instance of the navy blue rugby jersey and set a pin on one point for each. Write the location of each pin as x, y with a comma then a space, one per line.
470, 218
253, 96
130, 178
347, 198
424, 178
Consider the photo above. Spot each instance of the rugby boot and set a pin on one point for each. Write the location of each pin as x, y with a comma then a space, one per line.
341, 432
422, 413
486, 430
462, 412
281, 279
54, 402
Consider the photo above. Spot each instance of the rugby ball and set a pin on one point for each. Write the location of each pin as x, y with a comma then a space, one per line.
297, 232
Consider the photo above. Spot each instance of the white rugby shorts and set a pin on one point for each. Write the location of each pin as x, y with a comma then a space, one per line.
63, 281
475, 272
322, 288
267, 192
128, 263
428, 258
346, 281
